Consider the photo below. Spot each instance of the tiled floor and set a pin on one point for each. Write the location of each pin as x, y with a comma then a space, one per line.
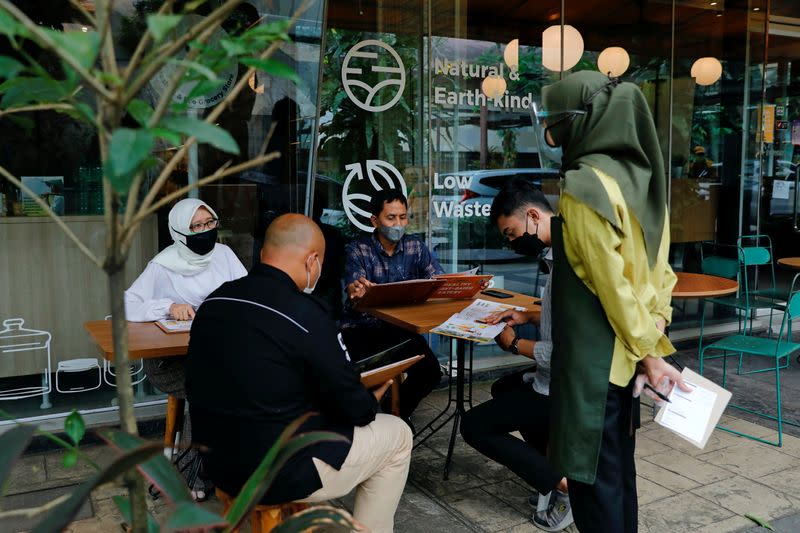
681, 488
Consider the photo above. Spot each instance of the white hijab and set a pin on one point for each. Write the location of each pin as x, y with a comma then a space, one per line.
178, 257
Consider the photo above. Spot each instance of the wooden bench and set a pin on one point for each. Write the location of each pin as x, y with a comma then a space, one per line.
264, 517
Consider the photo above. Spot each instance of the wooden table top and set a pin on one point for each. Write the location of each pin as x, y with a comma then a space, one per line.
145, 340
422, 318
692, 285
791, 262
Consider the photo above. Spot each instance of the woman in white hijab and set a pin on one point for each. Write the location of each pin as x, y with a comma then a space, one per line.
175, 283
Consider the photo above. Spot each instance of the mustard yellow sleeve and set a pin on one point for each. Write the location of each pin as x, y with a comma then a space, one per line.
664, 279
592, 244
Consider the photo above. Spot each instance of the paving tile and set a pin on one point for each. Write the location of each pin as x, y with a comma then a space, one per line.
787, 524
688, 466
744, 426
682, 512
751, 459
482, 467
428, 475
646, 446
484, 510
718, 440
729, 525
36, 498
791, 445
28, 473
742, 495
513, 494
528, 527
649, 492
787, 481
56, 471
665, 478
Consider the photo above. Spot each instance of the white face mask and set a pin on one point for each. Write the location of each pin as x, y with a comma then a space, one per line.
309, 287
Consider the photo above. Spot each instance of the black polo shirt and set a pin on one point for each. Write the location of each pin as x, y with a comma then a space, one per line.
261, 354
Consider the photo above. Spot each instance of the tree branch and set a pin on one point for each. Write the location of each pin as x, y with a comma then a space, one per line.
37, 107
167, 53
57, 219
45, 41
144, 42
108, 56
89, 18
222, 172
32, 512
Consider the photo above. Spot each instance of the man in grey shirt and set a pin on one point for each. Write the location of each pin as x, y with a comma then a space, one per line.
521, 402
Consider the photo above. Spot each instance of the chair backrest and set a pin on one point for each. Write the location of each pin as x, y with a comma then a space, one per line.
723, 267
756, 250
756, 255
793, 308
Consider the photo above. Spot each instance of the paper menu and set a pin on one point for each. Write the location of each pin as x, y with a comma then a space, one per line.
694, 414
469, 323
174, 326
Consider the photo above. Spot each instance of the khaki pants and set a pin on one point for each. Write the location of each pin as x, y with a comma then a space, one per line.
377, 467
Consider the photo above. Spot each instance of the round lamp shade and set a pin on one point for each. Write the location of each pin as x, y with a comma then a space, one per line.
511, 54
551, 47
493, 86
613, 61
707, 70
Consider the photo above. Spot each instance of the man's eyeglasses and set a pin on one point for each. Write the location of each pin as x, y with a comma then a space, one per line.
204, 226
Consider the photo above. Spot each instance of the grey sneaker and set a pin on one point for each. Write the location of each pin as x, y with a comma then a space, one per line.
538, 501
558, 514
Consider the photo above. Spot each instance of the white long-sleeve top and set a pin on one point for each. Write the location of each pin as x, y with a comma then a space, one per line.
157, 288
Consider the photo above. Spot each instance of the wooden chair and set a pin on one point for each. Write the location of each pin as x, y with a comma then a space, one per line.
264, 518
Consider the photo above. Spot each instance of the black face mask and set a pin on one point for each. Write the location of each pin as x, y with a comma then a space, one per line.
201, 243
527, 244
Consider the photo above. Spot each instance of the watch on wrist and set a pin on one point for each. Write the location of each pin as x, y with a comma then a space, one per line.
513, 348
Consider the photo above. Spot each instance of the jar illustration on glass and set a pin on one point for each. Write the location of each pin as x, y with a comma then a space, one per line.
24, 353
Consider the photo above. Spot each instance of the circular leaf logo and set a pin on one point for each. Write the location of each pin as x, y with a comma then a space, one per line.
357, 191
372, 69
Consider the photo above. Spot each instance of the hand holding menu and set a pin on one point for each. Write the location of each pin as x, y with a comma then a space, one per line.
470, 324
694, 414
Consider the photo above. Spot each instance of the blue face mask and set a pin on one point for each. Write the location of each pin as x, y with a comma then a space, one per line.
393, 233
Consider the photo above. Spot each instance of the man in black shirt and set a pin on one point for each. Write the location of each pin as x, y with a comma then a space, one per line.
261, 354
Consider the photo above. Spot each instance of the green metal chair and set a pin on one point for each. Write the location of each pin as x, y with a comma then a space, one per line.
777, 350
748, 299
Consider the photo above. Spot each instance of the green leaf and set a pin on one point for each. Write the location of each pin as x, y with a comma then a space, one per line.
127, 150
277, 456
274, 67
140, 111
197, 67
10, 27
62, 514
21, 91
170, 137
233, 47
83, 46
124, 506
160, 25
75, 427
760, 521
10, 67
70, 458
190, 516
159, 470
12, 443
319, 516
205, 132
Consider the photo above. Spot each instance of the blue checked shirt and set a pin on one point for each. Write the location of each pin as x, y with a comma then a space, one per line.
366, 257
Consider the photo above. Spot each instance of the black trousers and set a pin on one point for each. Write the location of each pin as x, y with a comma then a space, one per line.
610, 504
422, 378
515, 406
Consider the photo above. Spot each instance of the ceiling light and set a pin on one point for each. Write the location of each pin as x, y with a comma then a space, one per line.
706, 70
493, 86
511, 55
551, 48
613, 61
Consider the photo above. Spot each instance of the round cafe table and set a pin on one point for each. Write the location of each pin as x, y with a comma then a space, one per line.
791, 262
693, 285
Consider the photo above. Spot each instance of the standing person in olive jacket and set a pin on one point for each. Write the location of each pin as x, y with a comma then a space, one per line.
611, 289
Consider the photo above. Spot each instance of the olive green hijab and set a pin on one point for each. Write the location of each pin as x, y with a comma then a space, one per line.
618, 137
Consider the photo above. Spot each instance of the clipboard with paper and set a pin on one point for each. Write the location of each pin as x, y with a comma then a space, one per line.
693, 415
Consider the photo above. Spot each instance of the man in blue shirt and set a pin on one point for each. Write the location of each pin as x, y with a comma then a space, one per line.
385, 256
